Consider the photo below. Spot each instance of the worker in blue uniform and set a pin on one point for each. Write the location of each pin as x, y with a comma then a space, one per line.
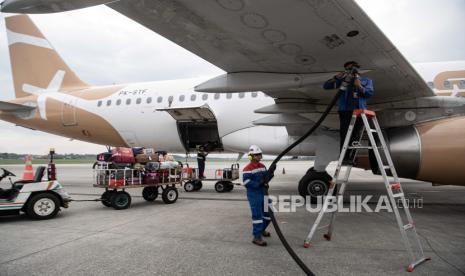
355, 90
253, 176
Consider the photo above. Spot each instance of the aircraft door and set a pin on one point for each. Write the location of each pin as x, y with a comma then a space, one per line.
196, 126
68, 112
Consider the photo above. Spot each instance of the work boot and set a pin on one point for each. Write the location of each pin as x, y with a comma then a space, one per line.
259, 241
266, 234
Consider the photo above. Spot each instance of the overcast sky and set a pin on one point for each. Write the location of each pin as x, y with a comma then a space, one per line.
104, 47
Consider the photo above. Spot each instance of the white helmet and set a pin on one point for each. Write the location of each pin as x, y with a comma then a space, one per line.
254, 149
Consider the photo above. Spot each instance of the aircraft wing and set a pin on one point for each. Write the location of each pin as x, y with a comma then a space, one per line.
292, 37
13, 107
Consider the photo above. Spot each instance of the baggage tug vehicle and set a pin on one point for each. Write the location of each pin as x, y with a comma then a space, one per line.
38, 199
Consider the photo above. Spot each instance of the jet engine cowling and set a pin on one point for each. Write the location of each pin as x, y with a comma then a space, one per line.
432, 151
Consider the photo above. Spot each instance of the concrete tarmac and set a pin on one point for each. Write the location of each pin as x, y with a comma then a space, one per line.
207, 233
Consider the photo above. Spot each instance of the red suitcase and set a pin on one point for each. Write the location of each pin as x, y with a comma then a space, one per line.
122, 155
116, 182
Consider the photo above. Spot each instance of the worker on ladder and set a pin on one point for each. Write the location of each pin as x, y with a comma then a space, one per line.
254, 175
355, 90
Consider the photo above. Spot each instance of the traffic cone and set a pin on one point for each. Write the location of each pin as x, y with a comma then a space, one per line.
28, 172
284, 171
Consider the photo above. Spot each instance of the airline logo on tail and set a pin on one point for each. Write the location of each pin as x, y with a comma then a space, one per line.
37, 68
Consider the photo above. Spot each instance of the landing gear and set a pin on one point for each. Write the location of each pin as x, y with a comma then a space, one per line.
314, 184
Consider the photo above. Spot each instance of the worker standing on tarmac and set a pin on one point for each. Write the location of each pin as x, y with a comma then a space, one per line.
201, 158
253, 175
356, 90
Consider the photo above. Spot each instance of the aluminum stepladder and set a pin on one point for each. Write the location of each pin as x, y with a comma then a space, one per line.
394, 189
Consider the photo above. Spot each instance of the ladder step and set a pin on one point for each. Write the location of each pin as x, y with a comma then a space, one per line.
387, 167
398, 195
373, 130
408, 226
360, 147
323, 227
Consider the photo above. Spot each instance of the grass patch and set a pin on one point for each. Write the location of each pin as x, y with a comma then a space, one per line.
44, 162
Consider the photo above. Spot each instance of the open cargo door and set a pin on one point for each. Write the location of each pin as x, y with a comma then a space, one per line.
197, 126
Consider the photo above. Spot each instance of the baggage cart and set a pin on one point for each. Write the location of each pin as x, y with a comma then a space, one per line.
116, 180
224, 179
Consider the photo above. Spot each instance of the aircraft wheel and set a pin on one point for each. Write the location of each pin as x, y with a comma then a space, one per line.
120, 200
43, 206
150, 193
169, 195
314, 184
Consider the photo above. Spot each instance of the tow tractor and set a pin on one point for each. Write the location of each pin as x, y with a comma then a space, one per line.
38, 199
224, 179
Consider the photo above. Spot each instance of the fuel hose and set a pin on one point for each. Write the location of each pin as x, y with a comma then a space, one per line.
270, 175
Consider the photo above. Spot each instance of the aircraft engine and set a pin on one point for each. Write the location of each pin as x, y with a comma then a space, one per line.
420, 151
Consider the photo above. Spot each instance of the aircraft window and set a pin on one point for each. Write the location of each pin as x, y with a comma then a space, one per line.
229, 96
138, 101
462, 84
204, 97
118, 102
99, 103
217, 96
431, 84
108, 102
159, 99
170, 99
447, 84
241, 95
254, 94
193, 97
181, 98
128, 101
149, 100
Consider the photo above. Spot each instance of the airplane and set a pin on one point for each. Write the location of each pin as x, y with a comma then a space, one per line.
270, 94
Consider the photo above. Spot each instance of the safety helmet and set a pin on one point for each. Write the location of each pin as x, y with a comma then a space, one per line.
254, 149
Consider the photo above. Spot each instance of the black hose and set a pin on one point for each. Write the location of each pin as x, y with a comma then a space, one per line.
270, 175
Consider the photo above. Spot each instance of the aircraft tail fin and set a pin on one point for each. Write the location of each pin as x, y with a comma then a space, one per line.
37, 68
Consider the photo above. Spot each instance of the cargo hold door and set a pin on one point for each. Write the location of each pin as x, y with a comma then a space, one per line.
197, 126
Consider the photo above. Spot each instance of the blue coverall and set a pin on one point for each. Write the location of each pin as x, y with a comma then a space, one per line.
348, 103
253, 174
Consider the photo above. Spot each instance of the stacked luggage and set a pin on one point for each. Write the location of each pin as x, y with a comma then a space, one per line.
137, 166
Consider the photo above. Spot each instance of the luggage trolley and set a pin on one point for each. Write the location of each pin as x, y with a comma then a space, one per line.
224, 179
116, 180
